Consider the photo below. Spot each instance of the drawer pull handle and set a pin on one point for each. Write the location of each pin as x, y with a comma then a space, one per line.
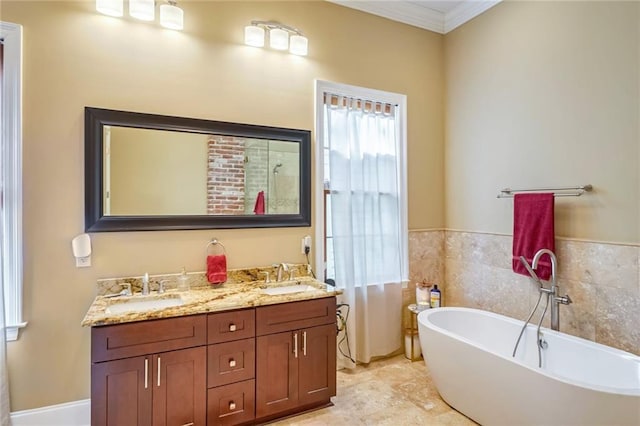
304, 343
232, 363
232, 327
189, 424
232, 406
146, 373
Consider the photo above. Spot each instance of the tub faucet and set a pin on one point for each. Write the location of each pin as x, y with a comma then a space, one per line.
553, 291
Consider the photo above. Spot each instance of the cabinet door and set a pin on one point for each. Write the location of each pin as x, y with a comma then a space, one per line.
276, 373
180, 387
121, 392
317, 364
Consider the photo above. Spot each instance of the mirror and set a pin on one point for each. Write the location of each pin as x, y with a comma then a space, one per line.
154, 172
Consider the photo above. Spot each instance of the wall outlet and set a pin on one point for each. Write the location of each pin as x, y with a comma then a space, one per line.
305, 244
83, 262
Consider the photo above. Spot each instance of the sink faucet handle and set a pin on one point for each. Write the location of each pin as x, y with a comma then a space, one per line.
566, 300
161, 284
267, 276
126, 291
292, 273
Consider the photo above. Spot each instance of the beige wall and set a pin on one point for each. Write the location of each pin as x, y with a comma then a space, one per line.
74, 57
545, 94
158, 173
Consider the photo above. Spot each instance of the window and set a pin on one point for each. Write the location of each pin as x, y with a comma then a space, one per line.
11, 176
361, 163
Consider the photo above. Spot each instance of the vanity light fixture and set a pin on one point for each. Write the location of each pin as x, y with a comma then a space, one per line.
110, 7
171, 16
278, 39
254, 36
144, 10
298, 45
281, 37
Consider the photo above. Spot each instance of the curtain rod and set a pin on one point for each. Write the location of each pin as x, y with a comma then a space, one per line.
577, 191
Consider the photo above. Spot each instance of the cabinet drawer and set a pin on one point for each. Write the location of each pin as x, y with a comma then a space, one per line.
145, 337
231, 362
295, 315
234, 325
231, 404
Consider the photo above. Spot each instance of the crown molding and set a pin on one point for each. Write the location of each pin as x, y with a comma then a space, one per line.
400, 11
466, 12
409, 12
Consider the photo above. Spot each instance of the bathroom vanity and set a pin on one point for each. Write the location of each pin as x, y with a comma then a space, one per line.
224, 357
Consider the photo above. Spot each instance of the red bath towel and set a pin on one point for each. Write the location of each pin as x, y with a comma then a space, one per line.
259, 207
533, 229
217, 268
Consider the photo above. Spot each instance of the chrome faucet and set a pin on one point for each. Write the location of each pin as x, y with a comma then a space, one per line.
554, 263
551, 294
553, 291
282, 267
145, 284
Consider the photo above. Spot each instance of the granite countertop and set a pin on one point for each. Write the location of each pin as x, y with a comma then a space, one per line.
204, 299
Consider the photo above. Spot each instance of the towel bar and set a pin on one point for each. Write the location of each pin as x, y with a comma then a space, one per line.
576, 191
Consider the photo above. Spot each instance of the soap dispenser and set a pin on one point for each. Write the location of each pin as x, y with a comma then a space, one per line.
183, 281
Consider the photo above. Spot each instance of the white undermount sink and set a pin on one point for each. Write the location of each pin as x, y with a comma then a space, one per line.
296, 288
143, 305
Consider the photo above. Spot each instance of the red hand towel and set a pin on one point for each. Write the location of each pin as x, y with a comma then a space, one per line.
533, 229
217, 268
259, 207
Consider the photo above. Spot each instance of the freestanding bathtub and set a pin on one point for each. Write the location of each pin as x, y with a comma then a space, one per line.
468, 353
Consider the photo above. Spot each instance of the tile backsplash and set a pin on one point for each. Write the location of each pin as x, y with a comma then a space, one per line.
474, 270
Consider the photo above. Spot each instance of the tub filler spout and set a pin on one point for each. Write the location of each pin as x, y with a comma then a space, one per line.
552, 293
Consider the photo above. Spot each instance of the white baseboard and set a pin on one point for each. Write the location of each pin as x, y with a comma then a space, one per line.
76, 413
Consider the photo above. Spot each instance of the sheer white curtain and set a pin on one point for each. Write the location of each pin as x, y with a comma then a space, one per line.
365, 220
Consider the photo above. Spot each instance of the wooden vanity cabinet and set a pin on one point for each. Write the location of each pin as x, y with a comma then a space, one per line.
296, 356
227, 368
149, 373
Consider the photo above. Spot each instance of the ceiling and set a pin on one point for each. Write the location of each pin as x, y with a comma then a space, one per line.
438, 16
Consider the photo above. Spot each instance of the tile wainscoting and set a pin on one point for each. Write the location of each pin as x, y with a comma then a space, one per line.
474, 270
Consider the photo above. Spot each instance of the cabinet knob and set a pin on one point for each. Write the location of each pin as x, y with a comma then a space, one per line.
232, 327
232, 405
232, 362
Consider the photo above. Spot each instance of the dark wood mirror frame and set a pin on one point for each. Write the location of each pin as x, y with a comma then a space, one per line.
96, 221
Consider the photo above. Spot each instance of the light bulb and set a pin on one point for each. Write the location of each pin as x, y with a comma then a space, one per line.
171, 16
278, 39
254, 36
298, 45
144, 10
110, 7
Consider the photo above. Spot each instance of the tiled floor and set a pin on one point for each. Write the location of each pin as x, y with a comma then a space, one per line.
393, 392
